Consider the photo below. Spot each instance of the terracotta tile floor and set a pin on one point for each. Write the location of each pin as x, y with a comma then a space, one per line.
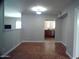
44, 50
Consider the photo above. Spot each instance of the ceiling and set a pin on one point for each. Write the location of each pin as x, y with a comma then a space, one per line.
24, 6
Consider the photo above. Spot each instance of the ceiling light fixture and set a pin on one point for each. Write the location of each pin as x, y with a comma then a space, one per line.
38, 13
38, 9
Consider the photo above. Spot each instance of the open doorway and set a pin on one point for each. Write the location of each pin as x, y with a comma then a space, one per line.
49, 29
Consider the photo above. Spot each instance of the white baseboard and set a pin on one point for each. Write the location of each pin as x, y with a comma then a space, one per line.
61, 42
33, 41
69, 54
6, 53
66, 50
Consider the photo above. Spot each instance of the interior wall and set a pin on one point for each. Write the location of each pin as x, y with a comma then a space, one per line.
11, 21
58, 30
76, 28
32, 28
68, 26
1, 25
12, 36
67, 29
11, 39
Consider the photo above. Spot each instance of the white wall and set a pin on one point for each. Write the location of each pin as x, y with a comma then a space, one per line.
69, 30
58, 30
66, 30
32, 28
70, 35
11, 21
11, 37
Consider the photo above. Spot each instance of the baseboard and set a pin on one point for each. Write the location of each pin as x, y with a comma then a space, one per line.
69, 54
6, 53
33, 41
61, 42
66, 50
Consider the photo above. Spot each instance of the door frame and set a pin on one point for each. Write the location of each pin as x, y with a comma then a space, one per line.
76, 13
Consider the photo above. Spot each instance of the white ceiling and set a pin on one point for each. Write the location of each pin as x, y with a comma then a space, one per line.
54, 6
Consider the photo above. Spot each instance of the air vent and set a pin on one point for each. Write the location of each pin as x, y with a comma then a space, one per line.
63, 15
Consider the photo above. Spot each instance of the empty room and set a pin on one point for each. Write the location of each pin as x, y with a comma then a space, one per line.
39, 29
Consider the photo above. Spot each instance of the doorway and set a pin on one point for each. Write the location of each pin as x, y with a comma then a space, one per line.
49, 29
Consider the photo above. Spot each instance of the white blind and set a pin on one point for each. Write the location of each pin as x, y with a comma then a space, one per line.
18, 24
49, 25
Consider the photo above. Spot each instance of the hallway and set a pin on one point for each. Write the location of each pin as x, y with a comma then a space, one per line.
23, 21
39, 50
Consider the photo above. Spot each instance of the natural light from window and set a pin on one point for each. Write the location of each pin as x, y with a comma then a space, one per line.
18, 24
49, 25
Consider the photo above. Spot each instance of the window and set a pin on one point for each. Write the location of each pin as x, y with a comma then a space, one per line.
18, 24
49, 25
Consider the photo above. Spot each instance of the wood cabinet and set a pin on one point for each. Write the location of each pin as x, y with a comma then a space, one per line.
49, 33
